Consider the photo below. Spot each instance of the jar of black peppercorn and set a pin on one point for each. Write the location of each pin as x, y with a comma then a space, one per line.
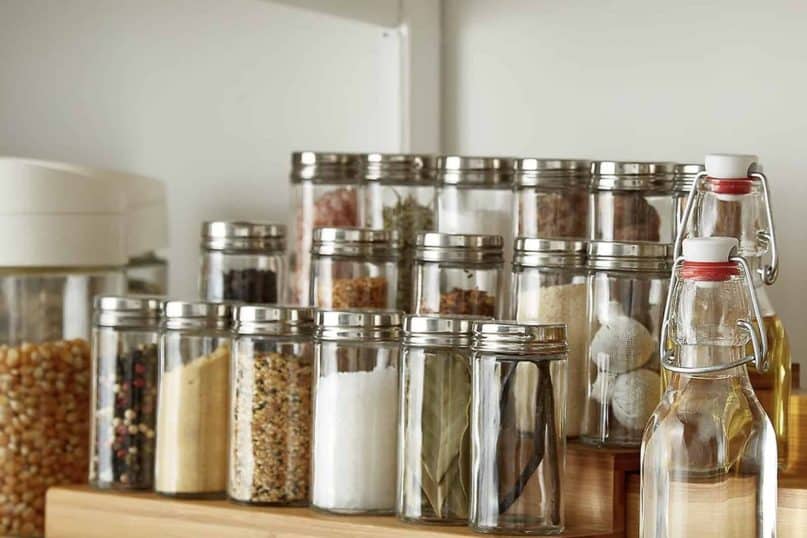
242, 261
124, 391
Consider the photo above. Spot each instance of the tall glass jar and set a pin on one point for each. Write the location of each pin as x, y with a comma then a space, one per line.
549, 286
325, 192
458, 274
683, 180
354, 268
399, 196
627, 287
518, 442
124, 391
270, 421
631, 201
355, 435
551, 198
242, 261
709, 451
194, 400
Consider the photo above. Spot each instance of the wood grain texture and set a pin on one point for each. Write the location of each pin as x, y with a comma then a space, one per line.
797, 436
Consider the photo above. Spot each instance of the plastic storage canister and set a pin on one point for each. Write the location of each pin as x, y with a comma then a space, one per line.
242, 261
458, 274
354, 268
549, 286
193, 405
270, 425
683, 179
631, 201
63, 243
399, 195
518, 443
627, 288
325, 192
124, 392
551, 198
354, 444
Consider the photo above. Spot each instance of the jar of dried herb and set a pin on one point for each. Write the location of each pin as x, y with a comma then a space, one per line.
458, 274
242, 261
517, 466
399, 195
354, 268
270, 388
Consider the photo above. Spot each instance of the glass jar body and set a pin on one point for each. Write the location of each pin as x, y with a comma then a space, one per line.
354, 282
631, 215
559, 212
518, 444
458, 288
251, 277
354, 443
147, 275
192, 413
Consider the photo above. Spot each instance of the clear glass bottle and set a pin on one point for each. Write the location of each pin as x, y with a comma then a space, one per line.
147, 275
354, 268
124, 391
684, 177
270, 421
194, 400
627, 286
709, 460
242, 261
631, 201
325, 190
551, 198
399, 195
355, 437
518, 442
458, 274
549, 286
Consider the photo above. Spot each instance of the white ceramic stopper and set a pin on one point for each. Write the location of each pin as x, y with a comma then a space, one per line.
730, 166
709, 249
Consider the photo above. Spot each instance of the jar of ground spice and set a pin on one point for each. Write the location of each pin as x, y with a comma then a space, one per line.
193, 405
354, 268
458, 274
242, 261
270, 424
124, 351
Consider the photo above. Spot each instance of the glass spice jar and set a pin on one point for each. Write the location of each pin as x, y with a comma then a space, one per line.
549, 286
631, 201
242, 261
354, 443
518, 442
458, 274
399, 195
354, 268
124, 391
193, 404
551, 198
683, 179
627, 287
270, 422
325, 190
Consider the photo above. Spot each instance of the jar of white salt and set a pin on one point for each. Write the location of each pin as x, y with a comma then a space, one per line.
355, 434
627, 289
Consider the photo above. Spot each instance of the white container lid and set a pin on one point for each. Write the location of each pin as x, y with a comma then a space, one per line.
709, 249
730, 166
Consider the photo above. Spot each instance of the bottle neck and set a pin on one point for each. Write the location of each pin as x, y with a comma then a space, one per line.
755, 264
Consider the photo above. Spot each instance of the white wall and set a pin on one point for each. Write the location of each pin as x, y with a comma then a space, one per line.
632, 79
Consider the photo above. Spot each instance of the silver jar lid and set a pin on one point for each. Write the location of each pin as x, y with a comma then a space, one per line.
324, 167
632, 176
273, 319
397, 169
540, 252
514, 338
635, 256
242, 236
132, 311
442, 247
439, 330
532, 172
356, 323
363, 242
183, 315
684, 176
480, 172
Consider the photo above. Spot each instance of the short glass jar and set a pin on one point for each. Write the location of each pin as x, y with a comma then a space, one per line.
124, 391
627, 289
551, 198
683, 180
631, 201
270, 424
549, 286
354, 268
518, 442
354, 443
194, 400
242, 261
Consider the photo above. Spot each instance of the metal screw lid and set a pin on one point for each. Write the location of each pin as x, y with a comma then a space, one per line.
439, 330
632, 176
530, 172
324, 167
443, 247
481, 172
684, 176
273, 319
545, 252
365, 242
397, 169
351, 324
127, 311
634, 256
180, 315
547, 341
242, 236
